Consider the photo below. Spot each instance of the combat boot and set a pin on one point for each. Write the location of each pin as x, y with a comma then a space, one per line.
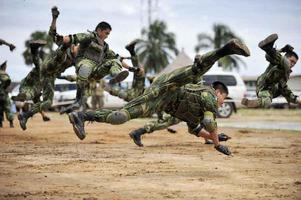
250, 103
131, 46
287, 48
46, 118
234, 46
35, 44
23, 117
11, 123
19, 97
77, 119
136, 136
119, 77
171, 130
268, 43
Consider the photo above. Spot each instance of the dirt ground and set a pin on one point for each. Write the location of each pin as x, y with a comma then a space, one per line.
47, 161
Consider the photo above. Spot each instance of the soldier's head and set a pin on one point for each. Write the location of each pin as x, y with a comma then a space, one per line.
103, 30
292, 58
221, 92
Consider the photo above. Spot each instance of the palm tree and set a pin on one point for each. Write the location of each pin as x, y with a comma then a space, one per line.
222, 34
38, 35
157, 47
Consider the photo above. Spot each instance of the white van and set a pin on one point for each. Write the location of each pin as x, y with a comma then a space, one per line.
236, 86
65, 94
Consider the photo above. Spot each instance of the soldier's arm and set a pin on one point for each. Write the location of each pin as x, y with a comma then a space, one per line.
79, 38
288, 94
10, 45
278, 59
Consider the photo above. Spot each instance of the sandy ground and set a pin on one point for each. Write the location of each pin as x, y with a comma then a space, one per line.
47, 161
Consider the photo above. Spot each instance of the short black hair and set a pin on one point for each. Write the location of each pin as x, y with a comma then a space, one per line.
292, 53
217, 85
103, 26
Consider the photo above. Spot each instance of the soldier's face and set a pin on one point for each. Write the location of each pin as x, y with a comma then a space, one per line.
292, 61
220, 97
103, 34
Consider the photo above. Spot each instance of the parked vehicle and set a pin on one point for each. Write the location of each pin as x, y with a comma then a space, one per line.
236, 86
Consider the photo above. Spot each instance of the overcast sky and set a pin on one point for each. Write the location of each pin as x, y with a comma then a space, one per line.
251, 20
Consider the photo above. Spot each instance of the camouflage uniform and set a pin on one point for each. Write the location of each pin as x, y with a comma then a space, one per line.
35, 83
97, 94
273, 82
191, 103
4, 99
94, 61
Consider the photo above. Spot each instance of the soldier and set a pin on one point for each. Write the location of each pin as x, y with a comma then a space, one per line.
273, 82
47, 70
10, 45
5, 105
94, 60
194, 104
97, 94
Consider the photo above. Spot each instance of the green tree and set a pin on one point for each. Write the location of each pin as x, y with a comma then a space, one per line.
221, 35
38, 35
156, 47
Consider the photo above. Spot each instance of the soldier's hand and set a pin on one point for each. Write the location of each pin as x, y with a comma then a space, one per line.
12, 47
55, 12
223, 149
223, 137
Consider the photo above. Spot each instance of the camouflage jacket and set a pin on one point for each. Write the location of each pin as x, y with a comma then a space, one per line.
190, 102
275, 78
91, 47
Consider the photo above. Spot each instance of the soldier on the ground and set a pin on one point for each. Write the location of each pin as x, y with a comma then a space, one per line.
273, 82
196, 105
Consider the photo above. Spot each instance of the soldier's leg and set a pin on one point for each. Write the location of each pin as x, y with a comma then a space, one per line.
84, 69
152, 126
114, 117
268, 44
1, 110
131, 48
8, 113
264, 100
201, 65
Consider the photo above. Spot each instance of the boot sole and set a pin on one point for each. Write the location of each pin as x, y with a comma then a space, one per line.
242, 48
269, 39
138, 144
21, 125
119, 77
77, 132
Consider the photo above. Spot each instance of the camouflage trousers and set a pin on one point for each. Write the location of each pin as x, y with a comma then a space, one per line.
47, 95
161, 124
5, 107
158, 95
88, 69
30, 85
126, 95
